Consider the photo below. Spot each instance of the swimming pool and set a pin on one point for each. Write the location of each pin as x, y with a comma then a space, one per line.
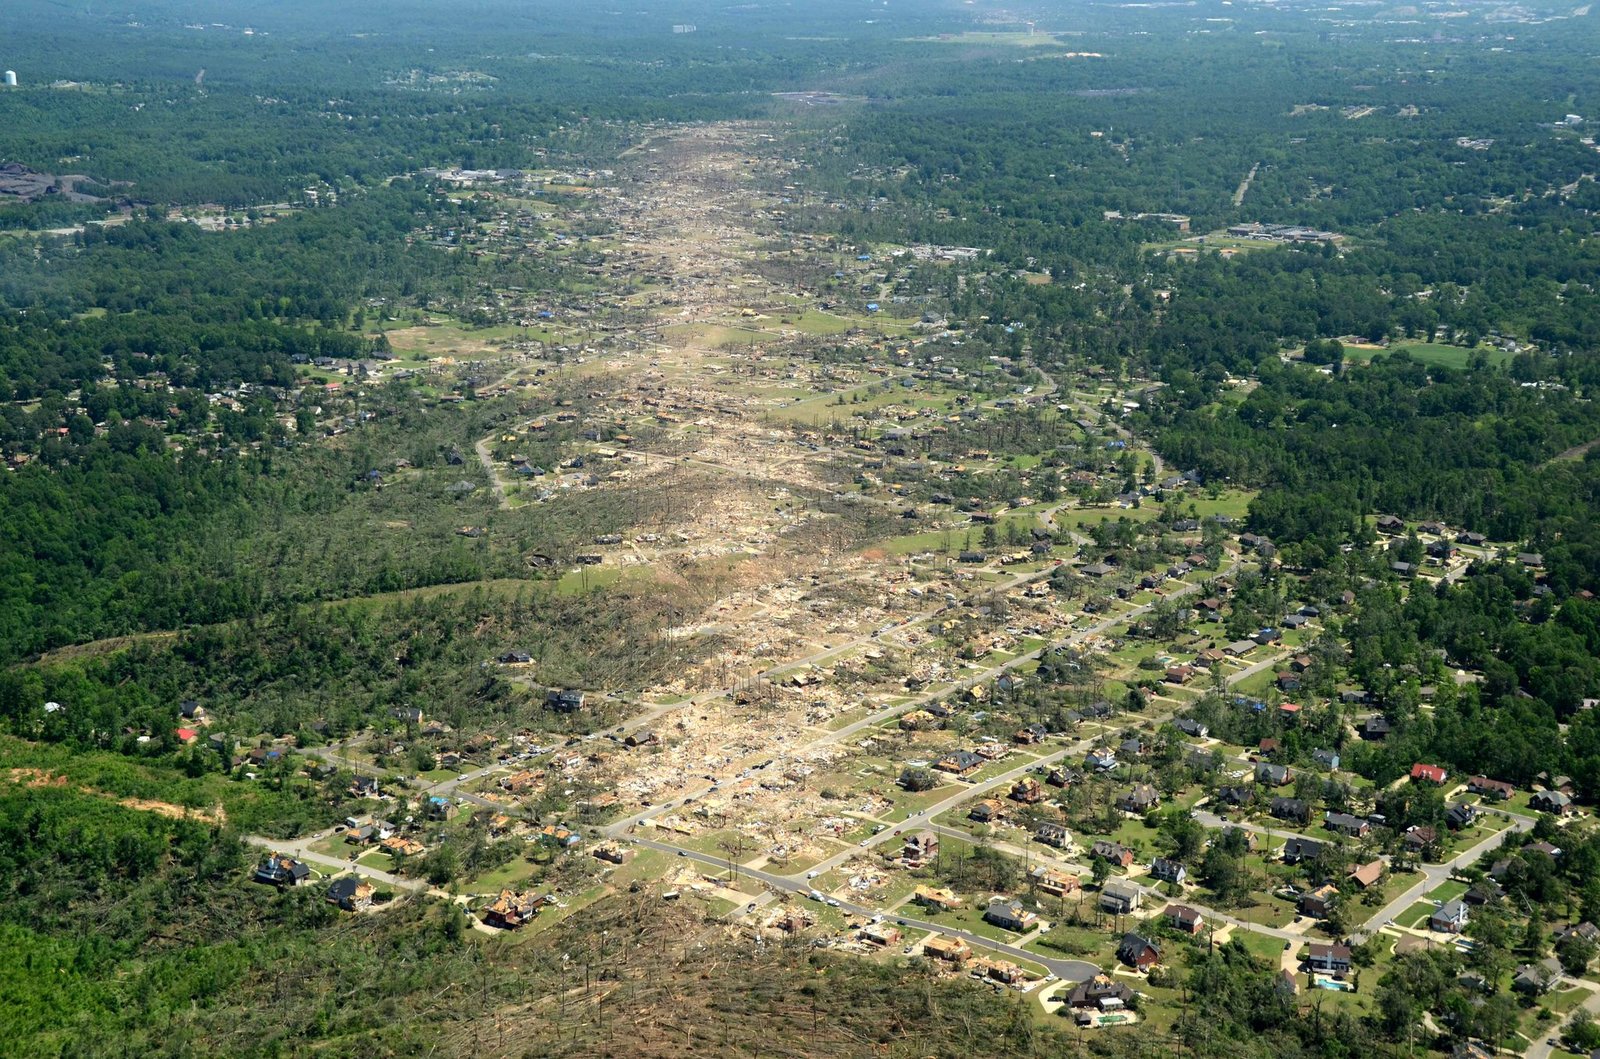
1322, 981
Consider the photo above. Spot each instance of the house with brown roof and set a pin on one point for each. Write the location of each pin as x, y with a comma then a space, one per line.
1418, 838
1105, 849
1499, 790
1329, 959
1141, 798
1366, 875
1184, 918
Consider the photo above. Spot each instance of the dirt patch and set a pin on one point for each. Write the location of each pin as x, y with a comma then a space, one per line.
176, 812
36, 778
31, 777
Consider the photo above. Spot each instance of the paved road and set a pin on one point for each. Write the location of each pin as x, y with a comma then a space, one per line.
300, 849
1434, 874
1542, 1048
1068, 970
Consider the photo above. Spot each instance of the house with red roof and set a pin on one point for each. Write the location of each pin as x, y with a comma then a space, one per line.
1431, 773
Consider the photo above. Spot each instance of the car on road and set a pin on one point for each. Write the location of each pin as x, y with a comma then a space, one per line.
681, 853
864, 843
832, 902
812, 874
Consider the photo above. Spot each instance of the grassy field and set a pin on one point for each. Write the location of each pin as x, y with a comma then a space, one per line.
825, 408
1431, 353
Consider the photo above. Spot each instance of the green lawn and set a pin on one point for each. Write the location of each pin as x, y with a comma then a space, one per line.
510, 875
1431, 353
1448, 890
1416, 915
971, 920
1262, 946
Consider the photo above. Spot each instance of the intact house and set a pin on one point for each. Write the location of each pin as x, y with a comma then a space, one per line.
1112, 852
1366, 875
1498, 790
1431, 773
1419, 838
1376, 728
1346, 824
1236, 796
1461, 816
1119, 896
1138, 951
1328, 759
1165, 869
1102, 760
1298, 850
1272, 775
1329, 959
1192, 728
1007, 913
1536, 978
1141, 799
1184, 918
1450, 917
1551, 802
1294, 810
568, 700
1053, 834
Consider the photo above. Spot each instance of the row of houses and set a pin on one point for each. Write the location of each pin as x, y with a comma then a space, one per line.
349, 892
